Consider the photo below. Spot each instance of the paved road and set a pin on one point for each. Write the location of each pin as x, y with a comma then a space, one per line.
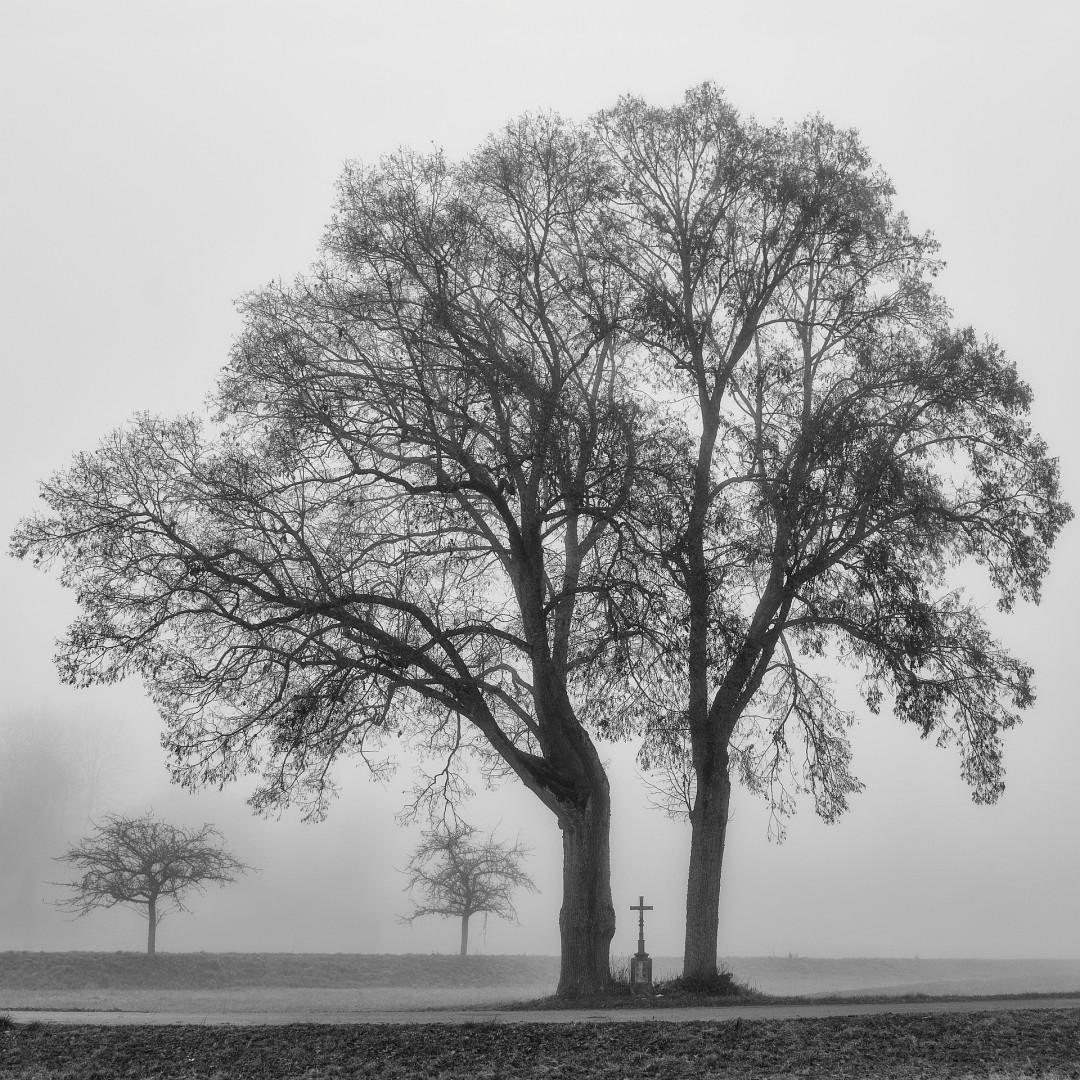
547, 1016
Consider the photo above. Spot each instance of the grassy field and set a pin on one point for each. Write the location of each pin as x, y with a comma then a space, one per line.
998, 1046
295, 1001
301, 983
54, 971
814, 976
224, 983
212, 971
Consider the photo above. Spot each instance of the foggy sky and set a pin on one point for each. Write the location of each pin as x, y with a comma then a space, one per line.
160, 160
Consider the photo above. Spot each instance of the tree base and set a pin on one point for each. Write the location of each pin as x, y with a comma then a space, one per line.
722, 984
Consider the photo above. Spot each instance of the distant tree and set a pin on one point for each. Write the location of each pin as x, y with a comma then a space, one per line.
146, 864
460, 878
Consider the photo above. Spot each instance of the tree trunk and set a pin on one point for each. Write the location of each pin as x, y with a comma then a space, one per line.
151, 931
587, 918
708, 828
465, 934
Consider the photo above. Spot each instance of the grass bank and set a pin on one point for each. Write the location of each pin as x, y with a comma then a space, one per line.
59, 971
1004, 1046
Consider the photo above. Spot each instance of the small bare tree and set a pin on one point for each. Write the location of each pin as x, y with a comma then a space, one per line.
460, 878
147, 864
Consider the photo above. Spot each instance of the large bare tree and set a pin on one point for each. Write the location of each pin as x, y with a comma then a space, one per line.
834, 448
604, 431
399, 526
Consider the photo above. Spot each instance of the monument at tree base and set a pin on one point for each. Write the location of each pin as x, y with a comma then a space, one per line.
641, 964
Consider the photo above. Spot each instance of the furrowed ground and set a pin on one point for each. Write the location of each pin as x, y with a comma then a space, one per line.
1009, 1045
955, 1046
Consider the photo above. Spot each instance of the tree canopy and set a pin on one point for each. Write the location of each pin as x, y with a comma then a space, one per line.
838, 448
398, 527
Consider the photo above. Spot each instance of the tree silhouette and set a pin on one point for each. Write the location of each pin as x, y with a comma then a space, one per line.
835, 447
607, 430
147, 864
400, 527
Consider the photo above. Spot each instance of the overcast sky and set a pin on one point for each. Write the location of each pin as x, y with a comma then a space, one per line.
161, 159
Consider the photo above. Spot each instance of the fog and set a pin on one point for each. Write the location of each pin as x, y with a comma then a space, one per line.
161, 160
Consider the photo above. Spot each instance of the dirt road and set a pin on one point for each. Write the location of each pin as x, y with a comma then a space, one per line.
548, 1016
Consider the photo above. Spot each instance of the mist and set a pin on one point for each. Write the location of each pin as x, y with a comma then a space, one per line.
163, 162
927, 882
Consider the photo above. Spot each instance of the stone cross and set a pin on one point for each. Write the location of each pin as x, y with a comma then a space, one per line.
641, 907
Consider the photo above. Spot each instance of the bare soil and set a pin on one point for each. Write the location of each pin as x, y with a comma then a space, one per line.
1002, 1046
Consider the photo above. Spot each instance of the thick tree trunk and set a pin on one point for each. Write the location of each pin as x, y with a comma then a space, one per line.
151, 932
708, 829
464, 935
587, 919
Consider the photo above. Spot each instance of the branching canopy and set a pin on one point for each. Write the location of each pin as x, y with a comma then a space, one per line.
617, 429
147, 864
400, 526
456, 876
834, 449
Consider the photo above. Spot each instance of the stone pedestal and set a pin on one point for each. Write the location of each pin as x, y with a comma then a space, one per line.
641, 970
